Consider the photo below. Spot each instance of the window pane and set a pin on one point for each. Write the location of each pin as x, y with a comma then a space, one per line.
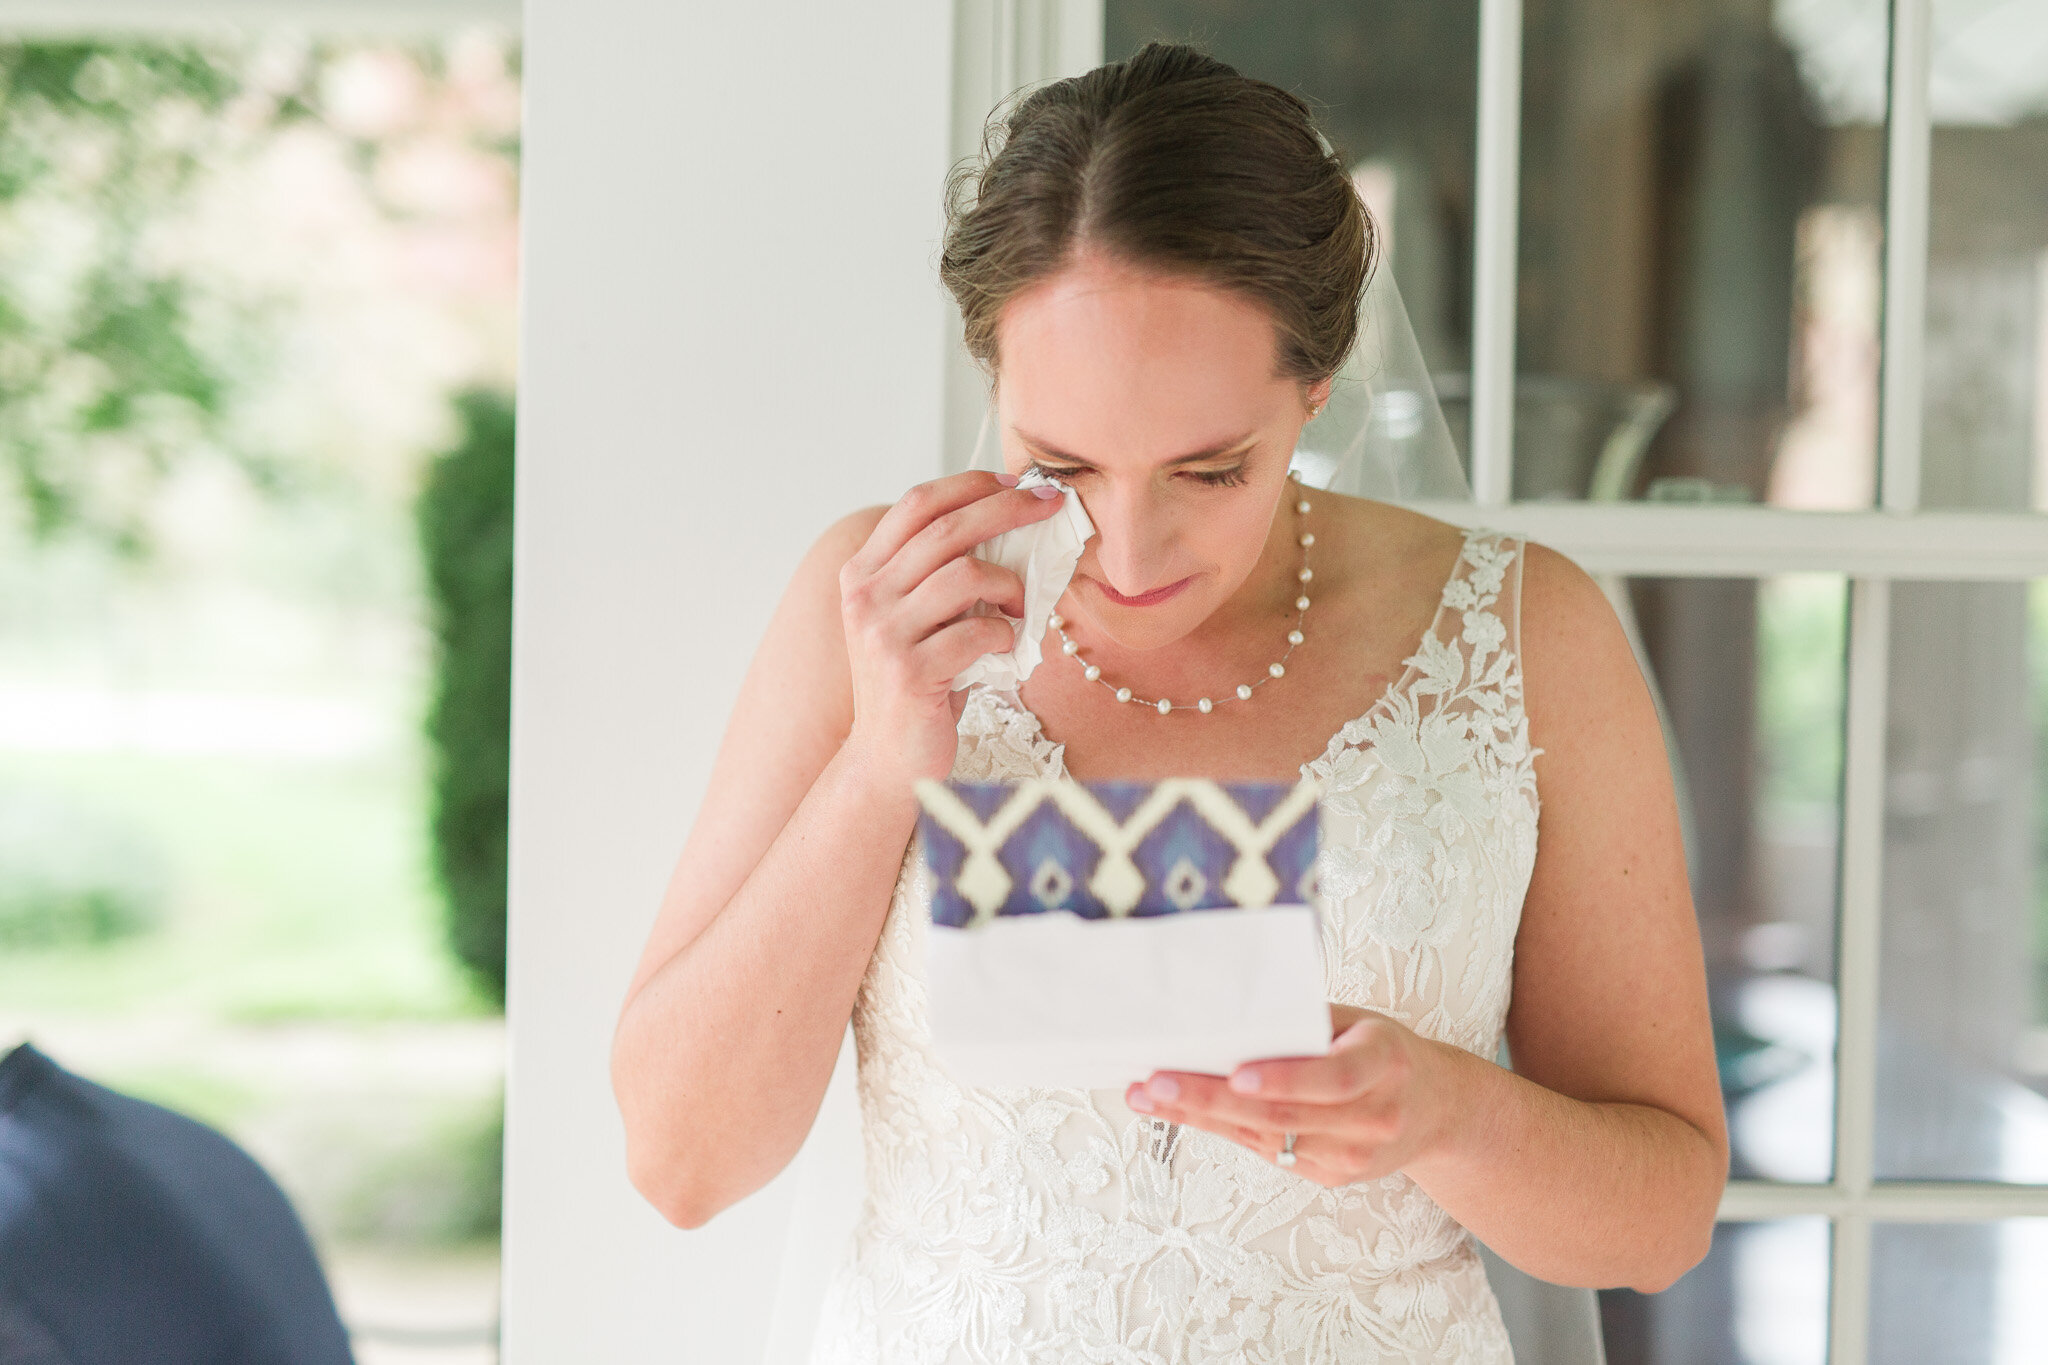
1986, 424
1761, 660
1759, 1298
1395, 87
1963, 1035
1700, 250
1959, 1293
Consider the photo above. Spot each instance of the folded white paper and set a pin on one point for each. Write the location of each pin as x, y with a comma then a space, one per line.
1043, 554
1056, 1001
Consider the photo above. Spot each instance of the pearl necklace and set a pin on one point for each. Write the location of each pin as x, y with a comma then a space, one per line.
1093, 672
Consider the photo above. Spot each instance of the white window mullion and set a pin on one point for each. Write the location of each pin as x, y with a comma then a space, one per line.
999, 46
1073, 42
1496, 212
1893, 1201
1858, 962
1002, 46
1905, 256
1849, 1291
1664, 540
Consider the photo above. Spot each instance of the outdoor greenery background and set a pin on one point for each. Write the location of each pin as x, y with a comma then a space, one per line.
465, 516
252, 290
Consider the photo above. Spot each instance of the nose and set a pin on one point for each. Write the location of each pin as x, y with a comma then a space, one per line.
1133, 542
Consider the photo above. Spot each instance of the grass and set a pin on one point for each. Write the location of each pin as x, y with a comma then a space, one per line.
300, 891
300, 895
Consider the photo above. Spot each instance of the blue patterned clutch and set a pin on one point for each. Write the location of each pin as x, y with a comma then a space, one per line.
1106, 850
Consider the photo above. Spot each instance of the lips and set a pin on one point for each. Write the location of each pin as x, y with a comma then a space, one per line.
1146, 599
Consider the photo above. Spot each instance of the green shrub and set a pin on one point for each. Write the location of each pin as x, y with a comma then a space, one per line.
465, 525
70, 874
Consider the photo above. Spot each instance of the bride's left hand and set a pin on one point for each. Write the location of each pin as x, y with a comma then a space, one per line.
1361, 1112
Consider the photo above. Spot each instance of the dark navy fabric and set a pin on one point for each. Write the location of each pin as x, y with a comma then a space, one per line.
130, 1235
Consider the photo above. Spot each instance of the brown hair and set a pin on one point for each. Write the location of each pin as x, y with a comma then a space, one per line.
1170, 161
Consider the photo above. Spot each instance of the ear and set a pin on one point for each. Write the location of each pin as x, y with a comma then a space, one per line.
1318, 393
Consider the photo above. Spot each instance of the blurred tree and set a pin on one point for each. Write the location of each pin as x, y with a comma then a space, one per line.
102, 385
465, 523
281, 254
124, 350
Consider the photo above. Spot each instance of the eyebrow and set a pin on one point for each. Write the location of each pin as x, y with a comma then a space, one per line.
1192, 457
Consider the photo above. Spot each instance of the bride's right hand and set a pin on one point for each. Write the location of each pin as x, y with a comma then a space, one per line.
903, 598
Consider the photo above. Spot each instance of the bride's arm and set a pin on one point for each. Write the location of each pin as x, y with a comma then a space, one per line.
733, 1020
1599, 1160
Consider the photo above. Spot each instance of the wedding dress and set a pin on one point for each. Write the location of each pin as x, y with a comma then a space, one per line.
1059, 1227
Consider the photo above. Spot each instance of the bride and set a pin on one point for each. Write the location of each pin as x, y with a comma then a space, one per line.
1161, 265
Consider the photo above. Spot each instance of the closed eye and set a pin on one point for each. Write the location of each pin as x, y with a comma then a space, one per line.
1214, 478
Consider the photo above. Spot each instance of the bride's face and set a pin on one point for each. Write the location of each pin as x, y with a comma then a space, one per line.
1156, 398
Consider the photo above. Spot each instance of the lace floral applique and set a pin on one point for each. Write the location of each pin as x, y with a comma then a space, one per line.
1000, 741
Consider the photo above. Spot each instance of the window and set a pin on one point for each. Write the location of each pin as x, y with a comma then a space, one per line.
1746, 308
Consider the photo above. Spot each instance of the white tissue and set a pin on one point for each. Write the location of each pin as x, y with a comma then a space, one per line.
1043, 554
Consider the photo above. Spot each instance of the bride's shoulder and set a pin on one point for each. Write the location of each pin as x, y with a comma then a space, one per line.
1370, 533
817, 573
845, 536
1379, 540
805, 629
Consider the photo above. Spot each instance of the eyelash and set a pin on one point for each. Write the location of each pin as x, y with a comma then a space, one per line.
1221, 478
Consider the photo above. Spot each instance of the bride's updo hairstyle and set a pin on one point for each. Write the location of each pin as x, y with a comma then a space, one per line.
1170, 161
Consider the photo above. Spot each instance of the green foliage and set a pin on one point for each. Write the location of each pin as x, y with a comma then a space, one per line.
1802, 638
465, 521
104, 385
70, 874
124, 351
299, 892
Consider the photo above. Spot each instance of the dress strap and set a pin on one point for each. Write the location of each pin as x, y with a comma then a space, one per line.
1487, 591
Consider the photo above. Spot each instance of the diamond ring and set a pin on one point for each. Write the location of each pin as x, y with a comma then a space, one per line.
1286, 1154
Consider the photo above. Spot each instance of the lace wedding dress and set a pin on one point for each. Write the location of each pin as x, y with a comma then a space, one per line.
1059, 1227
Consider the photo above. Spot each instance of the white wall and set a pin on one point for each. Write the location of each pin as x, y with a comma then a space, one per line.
733, 334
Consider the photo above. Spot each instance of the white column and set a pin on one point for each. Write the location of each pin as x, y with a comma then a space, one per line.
732, 336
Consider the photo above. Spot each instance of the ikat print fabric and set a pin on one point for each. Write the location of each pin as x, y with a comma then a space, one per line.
1106, 850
